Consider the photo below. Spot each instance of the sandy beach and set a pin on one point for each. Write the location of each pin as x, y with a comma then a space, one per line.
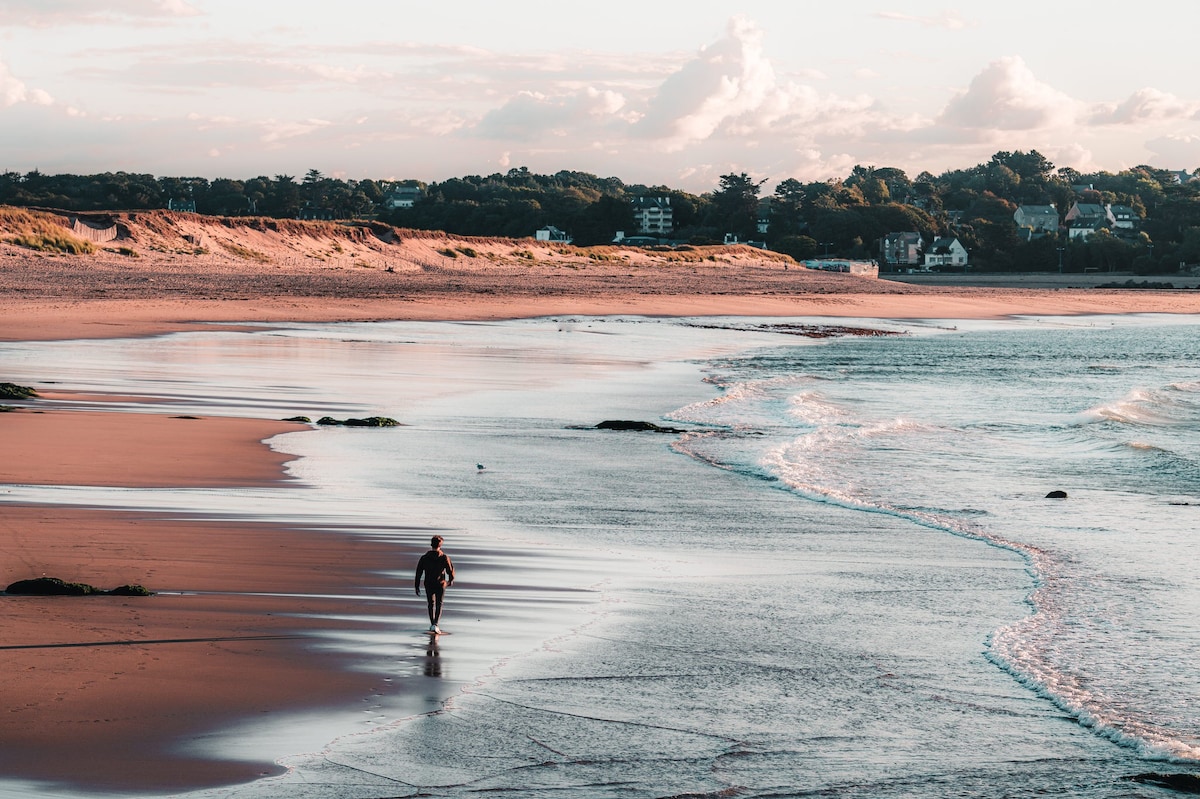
99, 685
100, 691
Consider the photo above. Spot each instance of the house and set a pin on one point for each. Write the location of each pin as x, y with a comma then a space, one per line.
1089, 211
402, 197
946, 251
552, 234
653, 215
900, 251
763, 222
181, 205
1124, 217
1036, 221
1084, 226
635, 241
310, 212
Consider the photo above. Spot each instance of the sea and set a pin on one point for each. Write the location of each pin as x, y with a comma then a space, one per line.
835, 569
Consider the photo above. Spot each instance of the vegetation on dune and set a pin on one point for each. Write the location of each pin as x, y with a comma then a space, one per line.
244, 252
42, 232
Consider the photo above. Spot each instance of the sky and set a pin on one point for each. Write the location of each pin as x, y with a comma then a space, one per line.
677, 92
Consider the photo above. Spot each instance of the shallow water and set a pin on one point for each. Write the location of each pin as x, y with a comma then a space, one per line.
844, 579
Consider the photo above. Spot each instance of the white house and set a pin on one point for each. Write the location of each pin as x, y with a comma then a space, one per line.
402, 197
946, 252
1124, 217
653, 215
552, 234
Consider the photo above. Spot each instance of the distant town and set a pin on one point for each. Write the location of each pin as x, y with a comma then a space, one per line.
1015, 213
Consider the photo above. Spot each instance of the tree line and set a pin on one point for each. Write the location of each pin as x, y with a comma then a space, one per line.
845, 217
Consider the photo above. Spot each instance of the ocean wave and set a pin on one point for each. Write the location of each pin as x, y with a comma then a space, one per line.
813, 408
827, 465
742, 405
1172, 405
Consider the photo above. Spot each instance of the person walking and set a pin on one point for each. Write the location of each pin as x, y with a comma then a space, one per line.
438, 572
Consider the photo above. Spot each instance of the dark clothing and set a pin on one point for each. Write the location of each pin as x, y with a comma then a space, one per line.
438, 571
437, 568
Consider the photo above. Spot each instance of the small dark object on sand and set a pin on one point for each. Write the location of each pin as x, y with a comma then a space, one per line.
13, 391
53, 586
1057, 495
625, 424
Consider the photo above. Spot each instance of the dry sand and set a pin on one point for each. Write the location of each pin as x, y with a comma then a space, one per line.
90, 699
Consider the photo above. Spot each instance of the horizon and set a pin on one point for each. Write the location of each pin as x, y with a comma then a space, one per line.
209, 88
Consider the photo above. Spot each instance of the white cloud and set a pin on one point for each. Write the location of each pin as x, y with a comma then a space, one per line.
1007, 96
1075, 156
1144, 105
530, 116
726, 80
14, 91
276, 132
47, 13
1177, 150
948, 20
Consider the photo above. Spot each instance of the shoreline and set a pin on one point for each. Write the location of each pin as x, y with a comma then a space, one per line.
217, 576
40, 320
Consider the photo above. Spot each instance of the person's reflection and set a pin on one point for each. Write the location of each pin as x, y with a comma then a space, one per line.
433, 658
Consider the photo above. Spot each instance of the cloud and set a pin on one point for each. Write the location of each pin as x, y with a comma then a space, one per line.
162, 72
49, 13
276, 132
14, 91
1007, 96
725, 80
1144, 105
531, 115
948, 20
1180, 151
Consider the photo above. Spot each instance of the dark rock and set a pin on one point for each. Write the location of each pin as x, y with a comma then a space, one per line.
1057, 495
301, 419
625, 424
13, 391
131, 590
370, 421
49, 586
52, 586
1183, 783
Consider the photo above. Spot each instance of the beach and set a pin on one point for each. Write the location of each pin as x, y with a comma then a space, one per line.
104, 692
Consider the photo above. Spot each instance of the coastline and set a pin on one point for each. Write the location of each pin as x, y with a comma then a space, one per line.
41, 320
270, 671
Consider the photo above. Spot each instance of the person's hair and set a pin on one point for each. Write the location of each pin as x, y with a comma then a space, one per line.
436, 541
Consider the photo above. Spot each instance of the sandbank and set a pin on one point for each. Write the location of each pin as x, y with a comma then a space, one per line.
44, 298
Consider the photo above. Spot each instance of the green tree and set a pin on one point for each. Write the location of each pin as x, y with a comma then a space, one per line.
799, 247
735, 205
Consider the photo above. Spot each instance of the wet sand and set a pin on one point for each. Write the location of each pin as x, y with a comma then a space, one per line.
101, 691
104, 692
